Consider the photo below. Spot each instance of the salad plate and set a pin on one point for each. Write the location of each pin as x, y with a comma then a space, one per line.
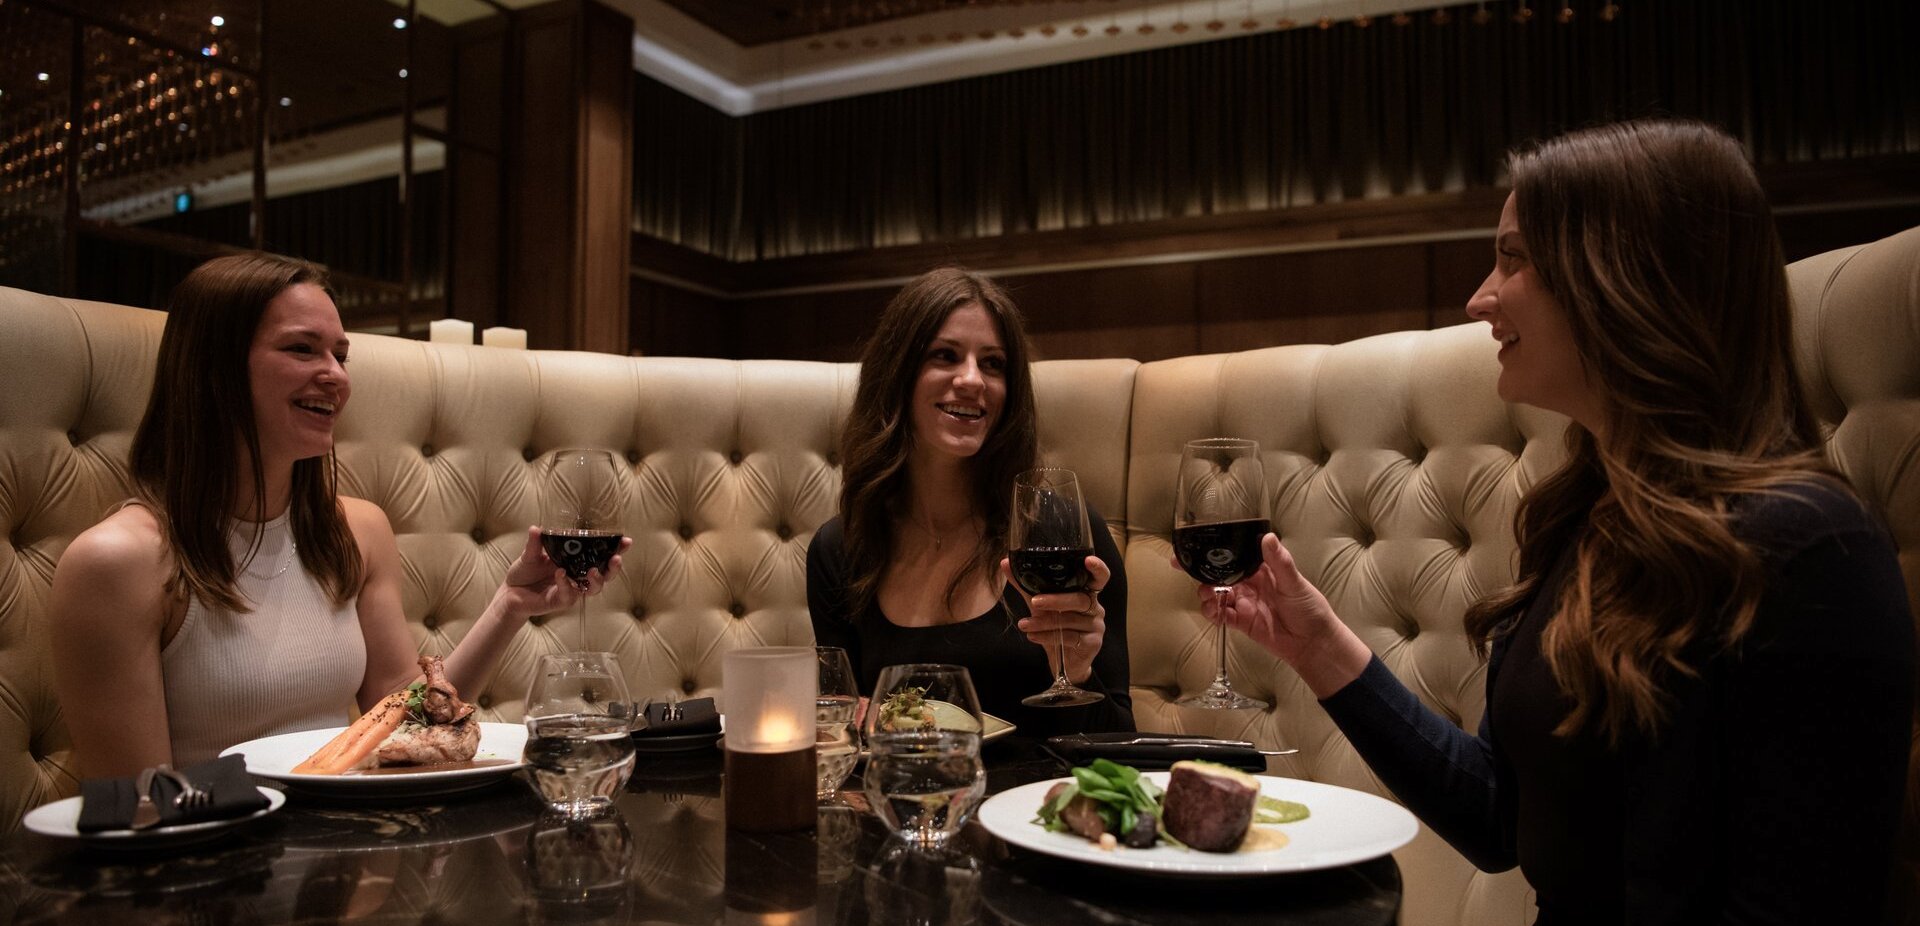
1345, 826
274, 757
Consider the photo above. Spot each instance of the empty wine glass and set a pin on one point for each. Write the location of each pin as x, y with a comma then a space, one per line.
1220, 517
1048, 544
834, 707
582, 503
579, 732
924, 775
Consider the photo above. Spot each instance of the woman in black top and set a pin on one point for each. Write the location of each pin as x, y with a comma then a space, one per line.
913, 570
1700, 688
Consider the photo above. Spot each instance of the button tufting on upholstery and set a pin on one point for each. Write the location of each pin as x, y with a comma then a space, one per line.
633, 456
426, 450
735, 457
527, 454
686, 532
486, 700
784, 532
1364, 537
478, 535
537, 620
73, 437
431, 621
833, 459
688, 686
737, 609
639, 612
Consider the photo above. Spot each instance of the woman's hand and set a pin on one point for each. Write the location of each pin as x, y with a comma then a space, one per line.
535, 584
1077, 614
1280, 610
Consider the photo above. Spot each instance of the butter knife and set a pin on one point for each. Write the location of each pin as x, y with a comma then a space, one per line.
146, 813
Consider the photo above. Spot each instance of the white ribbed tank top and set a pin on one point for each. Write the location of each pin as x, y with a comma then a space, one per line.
293, 663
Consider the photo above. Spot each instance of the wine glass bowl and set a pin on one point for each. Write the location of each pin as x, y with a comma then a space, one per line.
1220, 516
583, 499
924, 776
1048, 542
834, 708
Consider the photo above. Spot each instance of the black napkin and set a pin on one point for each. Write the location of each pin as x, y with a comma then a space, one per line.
1154, 750
696, 716
108, 803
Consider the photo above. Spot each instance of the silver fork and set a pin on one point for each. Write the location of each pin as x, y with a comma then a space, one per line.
673, 712
190, 797
145, 813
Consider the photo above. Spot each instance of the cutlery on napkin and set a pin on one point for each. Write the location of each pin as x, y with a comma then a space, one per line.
111, 803
1160, 750
681, 718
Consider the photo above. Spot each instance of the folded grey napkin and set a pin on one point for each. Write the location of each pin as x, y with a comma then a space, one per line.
108, 803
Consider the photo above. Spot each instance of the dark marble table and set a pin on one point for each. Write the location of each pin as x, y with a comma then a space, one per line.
665, 857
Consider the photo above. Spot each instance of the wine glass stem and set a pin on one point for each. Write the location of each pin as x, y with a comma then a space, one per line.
1060, 650
1220, 677
582, 611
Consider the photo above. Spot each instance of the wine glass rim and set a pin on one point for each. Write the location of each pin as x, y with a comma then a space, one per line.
1221, 443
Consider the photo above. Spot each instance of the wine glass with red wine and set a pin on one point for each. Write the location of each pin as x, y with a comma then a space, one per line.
1048, 544
1220, 517
583, 501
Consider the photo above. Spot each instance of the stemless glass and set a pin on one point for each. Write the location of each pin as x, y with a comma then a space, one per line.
834, 707
924, 776
583, 499
1219, 519
1048, 544
579, 732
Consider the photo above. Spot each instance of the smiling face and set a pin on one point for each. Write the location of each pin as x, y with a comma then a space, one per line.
297, 365
962, 385
1539, 364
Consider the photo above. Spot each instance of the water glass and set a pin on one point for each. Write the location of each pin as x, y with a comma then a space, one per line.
579, 738
924, 775
834, 707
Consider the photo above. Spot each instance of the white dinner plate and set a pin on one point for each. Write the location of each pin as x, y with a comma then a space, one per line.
1345, 826
274, 757
61, 819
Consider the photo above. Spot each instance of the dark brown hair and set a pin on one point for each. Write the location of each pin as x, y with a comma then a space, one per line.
1657, 242
200, 417
878, 437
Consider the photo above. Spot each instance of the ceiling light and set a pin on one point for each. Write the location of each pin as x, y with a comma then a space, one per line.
399, 23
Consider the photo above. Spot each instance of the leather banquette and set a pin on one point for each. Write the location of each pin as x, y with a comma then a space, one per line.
1393, 474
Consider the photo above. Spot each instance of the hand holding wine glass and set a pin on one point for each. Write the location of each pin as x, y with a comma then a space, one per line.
1050, 550
583, 501
1219, 518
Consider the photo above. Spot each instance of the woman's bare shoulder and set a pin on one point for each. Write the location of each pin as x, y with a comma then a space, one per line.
363, 515
121, 565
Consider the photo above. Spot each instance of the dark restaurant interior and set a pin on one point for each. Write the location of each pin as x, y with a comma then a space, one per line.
1257, 217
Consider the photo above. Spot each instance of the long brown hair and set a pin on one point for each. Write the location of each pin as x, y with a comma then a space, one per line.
1657, 242
878, 437
199, 418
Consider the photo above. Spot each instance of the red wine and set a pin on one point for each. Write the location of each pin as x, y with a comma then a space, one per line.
1051, 570
578, 551
1222, 553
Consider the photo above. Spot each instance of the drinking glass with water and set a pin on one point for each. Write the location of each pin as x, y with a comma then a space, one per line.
924, 776
579, 732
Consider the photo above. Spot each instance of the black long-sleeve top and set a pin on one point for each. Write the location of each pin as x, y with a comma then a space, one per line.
1004, 665
1772, 794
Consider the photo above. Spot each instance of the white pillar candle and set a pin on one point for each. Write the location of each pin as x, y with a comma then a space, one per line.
504, 337
450, 331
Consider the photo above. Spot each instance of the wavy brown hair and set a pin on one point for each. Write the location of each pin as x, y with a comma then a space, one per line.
878, 437
199, 421
1657, 242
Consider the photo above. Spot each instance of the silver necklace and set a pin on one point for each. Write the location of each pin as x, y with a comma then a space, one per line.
292, 548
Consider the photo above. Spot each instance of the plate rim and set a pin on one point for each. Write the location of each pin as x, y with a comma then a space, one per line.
71, 830
1072, 848
387, 781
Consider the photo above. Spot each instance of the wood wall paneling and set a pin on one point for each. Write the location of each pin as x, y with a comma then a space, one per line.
604, 192
541, 288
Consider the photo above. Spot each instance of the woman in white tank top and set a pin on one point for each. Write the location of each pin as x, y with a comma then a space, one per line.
239, 594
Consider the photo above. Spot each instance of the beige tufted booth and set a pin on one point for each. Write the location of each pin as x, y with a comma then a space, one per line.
1394, 473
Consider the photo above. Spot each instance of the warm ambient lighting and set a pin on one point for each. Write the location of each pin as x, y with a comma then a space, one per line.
768, 696
399, 24
218, 21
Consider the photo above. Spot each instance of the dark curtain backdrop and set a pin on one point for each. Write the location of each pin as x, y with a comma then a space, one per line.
1265, 121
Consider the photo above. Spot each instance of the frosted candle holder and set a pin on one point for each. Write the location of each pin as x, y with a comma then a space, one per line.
768, 695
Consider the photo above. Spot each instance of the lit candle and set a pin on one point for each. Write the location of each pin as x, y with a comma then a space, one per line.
769, 695
450, 331
504, 337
